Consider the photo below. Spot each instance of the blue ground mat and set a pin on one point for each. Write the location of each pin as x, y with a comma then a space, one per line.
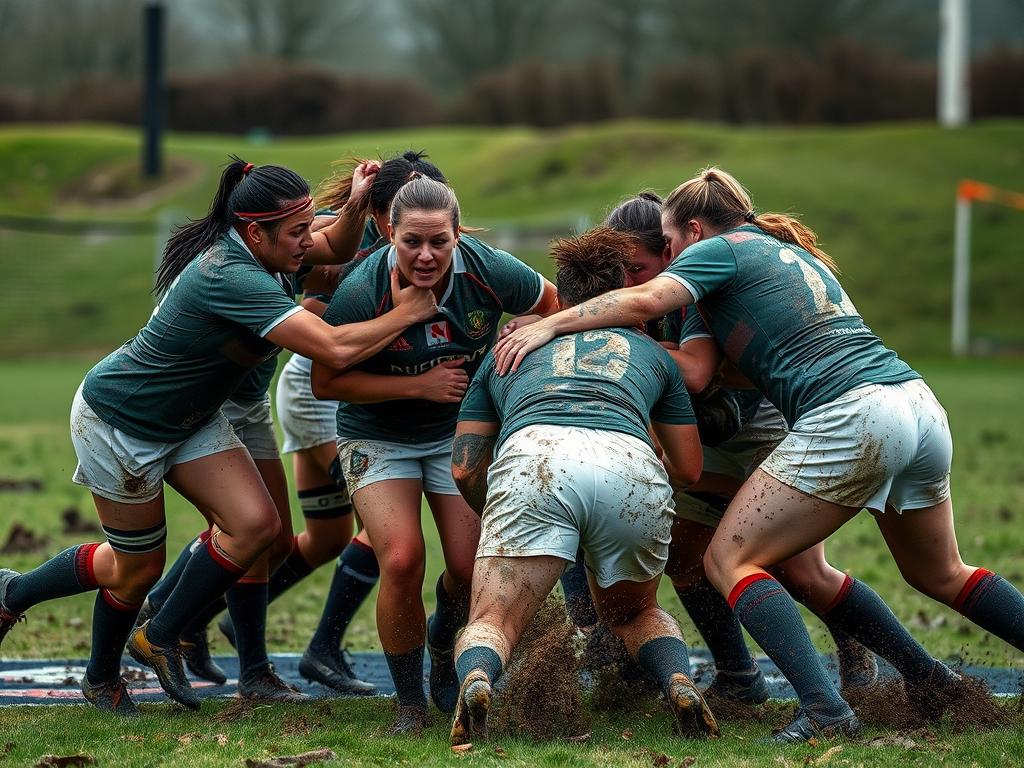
56, 681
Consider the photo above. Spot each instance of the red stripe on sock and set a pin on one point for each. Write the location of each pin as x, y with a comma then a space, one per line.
84, 569
362, 545
972, 582
220, 559
841, 595
743, 583
253, 580
118, 605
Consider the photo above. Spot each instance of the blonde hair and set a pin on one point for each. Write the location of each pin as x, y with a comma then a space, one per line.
719, 199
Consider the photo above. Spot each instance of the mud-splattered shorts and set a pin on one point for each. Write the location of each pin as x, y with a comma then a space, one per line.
552, 489
305, 421
876, 446
129, 470
365, 462
737, 458
254, 426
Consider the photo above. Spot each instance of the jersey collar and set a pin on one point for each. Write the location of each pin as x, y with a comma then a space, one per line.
458, 267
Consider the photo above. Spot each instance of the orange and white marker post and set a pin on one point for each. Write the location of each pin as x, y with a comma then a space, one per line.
967, 192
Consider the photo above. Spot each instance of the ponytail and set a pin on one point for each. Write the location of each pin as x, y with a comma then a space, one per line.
392, 176
265, 194
719, 199
640, 217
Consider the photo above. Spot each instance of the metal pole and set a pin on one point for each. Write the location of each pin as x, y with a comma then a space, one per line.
954, 64
961, 276
152, 88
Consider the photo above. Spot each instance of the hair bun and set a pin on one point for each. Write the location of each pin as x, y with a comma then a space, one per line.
414, 157
653, 197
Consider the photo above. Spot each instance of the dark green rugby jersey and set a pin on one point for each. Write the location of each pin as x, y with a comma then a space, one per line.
679, 326
204, 337
483, 283
783, 319
615, 379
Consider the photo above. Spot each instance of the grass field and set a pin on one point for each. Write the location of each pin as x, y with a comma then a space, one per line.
982, 399
881, 198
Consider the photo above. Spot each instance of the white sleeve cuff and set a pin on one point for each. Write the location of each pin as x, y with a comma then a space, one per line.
685, 283
278, 320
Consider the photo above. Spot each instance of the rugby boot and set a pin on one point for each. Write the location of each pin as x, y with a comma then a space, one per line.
196, 651
146, 612
333, 672
744, 687
858, 667
411, 720
444, 682
933, 695
227, 628
693, 716
263, 684
8, 618
167, 664
470, 721
803, 728
110, 697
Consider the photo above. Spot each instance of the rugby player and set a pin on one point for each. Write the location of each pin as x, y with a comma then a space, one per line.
397, 419
575, 468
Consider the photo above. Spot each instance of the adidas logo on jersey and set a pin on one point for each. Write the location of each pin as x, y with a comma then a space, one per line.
400, 345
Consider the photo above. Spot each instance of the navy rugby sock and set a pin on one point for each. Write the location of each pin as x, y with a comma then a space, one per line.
207, 576
67, 573
407, 673
773, 620
247, 603
478, 657
112, 622
995, 605
663, 657
159, 594
289, 573
354, 578
578, 602
859, 612
450, 615
718, 627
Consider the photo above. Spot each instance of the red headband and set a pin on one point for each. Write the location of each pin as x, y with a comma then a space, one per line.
248, 167
281, 213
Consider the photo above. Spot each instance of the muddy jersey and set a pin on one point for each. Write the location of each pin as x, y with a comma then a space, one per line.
783, 319
614, 379
482, 283
203, 338
679, 326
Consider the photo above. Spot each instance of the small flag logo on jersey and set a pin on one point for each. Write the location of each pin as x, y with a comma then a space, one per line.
438, 333
400, 345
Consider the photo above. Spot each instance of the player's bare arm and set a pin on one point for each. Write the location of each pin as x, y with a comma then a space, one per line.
472, 452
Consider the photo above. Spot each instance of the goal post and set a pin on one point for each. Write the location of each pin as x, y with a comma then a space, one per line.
967, 192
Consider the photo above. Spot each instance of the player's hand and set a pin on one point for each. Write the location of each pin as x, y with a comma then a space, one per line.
510, 351
445, 383
362, 180
517, 322
418, 302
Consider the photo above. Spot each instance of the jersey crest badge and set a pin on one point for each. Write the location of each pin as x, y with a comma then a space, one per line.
439, 334
476, 324
400, 345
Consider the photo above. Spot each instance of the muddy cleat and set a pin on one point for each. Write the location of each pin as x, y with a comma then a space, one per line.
110, 697
744, 687
411, 720
803, 728
471, 707
693, 716
146, 612
933, 695
227, 628
264, 684
8, 618
335, 673
166, 662
196, 652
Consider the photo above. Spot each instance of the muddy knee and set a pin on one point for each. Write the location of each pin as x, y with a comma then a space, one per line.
403, 565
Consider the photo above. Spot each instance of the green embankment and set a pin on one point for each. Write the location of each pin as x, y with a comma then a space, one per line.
880, 197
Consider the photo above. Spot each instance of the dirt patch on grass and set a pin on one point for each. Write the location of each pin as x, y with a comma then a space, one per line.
618, 682
22, 540
541, 695
121, 186
74, 523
